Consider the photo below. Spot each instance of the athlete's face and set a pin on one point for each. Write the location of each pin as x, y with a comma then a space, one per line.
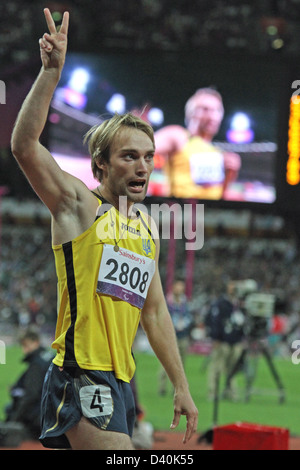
205, 115
130, 165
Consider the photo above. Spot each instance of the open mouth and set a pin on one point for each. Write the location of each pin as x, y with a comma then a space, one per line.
138, 184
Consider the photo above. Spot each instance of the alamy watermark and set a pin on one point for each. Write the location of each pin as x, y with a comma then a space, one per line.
2, 353
165, 221
2, 92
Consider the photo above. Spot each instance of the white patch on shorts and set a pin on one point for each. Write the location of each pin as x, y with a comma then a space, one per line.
96, 401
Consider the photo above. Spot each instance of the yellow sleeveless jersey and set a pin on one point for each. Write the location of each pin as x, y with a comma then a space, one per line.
101, 291
197, 171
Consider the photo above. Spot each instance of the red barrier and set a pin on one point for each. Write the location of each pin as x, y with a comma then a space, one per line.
247, 436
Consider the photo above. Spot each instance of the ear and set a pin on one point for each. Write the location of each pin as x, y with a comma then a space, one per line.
101, 163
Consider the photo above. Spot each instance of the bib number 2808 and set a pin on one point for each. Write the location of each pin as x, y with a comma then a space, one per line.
125, 275
134, 277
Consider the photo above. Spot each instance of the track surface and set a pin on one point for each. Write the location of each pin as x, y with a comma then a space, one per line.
162, 441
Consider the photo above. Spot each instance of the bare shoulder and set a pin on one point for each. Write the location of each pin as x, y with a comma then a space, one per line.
170, 139
173, 130
76, 213
75, 194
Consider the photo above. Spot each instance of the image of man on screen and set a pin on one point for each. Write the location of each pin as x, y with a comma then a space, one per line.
196, 168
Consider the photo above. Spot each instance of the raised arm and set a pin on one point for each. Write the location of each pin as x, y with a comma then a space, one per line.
43, 173
157, 324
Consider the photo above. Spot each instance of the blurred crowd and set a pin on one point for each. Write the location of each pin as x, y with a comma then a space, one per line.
273, 264
27, 277
160, 24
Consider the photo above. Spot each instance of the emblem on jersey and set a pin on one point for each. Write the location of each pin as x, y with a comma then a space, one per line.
146, 246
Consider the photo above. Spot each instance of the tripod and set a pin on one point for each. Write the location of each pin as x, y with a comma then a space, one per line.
256, 346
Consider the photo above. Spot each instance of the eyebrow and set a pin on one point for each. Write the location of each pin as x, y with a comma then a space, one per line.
152, 150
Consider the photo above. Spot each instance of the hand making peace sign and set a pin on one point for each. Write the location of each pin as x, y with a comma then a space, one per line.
53, 46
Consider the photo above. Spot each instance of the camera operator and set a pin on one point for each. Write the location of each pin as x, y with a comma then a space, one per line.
225, 326
258, 308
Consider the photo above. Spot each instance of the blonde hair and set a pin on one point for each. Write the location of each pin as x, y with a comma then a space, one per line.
100, 137
201, 91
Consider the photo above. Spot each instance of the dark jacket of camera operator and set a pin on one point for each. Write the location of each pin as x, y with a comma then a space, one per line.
224, 322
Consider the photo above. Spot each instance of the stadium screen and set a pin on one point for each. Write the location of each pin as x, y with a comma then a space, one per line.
157, 87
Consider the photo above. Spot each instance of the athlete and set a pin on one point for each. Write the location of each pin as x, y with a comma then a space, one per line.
106, 260
196, 168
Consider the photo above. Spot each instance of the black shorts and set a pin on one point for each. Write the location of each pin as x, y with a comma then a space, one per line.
70, 393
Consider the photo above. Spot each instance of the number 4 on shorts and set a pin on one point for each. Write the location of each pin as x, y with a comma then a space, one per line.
95, 401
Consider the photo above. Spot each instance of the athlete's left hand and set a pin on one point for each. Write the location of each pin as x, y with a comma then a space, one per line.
184, 405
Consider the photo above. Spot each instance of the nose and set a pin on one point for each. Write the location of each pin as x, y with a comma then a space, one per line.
141, 166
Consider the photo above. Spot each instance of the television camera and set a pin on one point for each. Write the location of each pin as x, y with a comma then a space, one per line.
258, 307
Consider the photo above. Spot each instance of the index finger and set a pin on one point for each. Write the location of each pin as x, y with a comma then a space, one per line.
50, 21
65, 23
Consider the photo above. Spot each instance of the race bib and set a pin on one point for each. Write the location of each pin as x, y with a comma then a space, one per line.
125, 274
96, 401
207, 167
